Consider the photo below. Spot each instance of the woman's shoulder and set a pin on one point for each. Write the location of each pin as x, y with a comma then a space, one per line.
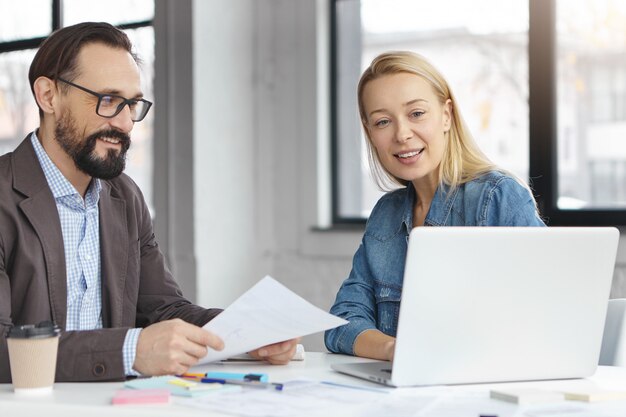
495, 181
500, 199
389, 213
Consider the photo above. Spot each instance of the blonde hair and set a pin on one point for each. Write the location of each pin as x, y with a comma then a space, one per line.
462, 160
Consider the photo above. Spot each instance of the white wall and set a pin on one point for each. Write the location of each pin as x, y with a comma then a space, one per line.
261, 136
226, 160
255, 154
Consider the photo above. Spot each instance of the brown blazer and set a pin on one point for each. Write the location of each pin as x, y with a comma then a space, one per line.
137, 288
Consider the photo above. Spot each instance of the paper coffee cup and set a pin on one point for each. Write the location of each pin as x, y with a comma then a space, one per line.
33, 357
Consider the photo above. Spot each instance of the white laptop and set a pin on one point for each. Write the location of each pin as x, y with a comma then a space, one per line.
495, 304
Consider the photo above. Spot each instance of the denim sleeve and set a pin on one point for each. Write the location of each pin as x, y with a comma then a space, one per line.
130, 350
355, 302
510, 204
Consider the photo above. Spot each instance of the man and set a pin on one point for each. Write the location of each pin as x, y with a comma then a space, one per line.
76, 239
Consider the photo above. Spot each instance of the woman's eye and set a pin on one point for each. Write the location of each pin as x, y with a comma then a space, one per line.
417, 113
381, 123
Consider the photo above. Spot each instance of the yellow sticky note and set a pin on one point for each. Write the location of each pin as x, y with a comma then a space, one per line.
182, 383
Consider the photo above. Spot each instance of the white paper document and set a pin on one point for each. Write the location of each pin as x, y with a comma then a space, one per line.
299, 397
267, 313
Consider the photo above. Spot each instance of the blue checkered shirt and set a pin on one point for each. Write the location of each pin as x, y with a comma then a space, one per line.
81, 239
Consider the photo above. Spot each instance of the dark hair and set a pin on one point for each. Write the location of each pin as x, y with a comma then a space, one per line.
58, 54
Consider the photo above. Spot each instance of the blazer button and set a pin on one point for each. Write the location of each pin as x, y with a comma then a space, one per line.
99, 369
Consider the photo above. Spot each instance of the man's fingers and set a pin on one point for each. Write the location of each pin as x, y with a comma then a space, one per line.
277, 353
195, 350
202, 337
282, 358
172, 347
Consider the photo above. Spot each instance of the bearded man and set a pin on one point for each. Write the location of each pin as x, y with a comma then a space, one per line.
76, 240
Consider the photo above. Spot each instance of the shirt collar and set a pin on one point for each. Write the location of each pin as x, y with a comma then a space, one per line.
59, 185
439, 210
441, 206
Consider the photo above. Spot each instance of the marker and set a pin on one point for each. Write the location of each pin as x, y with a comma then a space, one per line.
191, 375
228, 375
253, 384
239, 376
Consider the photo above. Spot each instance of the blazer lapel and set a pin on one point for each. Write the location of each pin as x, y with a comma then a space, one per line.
114, 255
40, 209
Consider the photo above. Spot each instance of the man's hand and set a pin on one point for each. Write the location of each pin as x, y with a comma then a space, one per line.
278, 353
171, 347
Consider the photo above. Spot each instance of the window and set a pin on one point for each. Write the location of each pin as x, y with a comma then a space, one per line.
542, 87
25, 24
491, 85
578, 118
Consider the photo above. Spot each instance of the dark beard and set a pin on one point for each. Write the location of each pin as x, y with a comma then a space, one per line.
82, 151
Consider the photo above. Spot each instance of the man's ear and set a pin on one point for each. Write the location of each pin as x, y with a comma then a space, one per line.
46, 94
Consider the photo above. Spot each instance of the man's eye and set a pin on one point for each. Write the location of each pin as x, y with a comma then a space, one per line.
108, 101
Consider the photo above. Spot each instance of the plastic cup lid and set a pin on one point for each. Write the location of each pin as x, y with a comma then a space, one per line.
35, 331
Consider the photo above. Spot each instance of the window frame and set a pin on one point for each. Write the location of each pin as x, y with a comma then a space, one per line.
173, 198
57, 23
543, 175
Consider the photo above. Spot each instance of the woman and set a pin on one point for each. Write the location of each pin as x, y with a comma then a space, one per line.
417, 139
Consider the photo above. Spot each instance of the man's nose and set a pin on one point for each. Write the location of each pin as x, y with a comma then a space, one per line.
123, 120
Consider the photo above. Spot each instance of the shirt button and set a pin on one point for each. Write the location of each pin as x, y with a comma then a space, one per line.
99, 369
88, 257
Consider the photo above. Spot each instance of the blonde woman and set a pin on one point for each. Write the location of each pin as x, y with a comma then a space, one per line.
416, 139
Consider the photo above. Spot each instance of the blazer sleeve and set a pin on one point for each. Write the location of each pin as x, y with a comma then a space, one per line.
5, 317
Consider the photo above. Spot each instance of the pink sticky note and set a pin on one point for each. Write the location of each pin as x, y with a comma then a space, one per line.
141, 396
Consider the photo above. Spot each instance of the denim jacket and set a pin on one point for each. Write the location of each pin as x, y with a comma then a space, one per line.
370, 297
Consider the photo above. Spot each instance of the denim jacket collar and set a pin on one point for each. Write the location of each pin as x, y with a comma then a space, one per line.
439, 210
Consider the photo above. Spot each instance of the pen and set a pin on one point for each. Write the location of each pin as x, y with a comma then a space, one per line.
227, 375
254, 384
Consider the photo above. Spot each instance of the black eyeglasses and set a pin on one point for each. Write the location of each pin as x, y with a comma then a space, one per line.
110, 105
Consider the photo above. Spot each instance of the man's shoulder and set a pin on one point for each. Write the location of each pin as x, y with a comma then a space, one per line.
123, 186
6, 168
5, 159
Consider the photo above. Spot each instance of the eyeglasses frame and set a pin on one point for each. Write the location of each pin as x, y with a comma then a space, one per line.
125, 101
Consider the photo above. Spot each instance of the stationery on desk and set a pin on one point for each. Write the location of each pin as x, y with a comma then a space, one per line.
593, 395
144, 396
244, 380
255, 320
179, 386
298, 397
538, 395
526, 395
249, 384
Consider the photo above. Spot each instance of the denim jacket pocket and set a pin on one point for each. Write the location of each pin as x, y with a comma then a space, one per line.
387, 308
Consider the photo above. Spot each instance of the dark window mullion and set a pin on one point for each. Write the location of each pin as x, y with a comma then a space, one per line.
21, 44
57, 14
542, 103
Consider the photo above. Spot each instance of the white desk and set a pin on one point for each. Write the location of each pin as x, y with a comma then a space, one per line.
94, 399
